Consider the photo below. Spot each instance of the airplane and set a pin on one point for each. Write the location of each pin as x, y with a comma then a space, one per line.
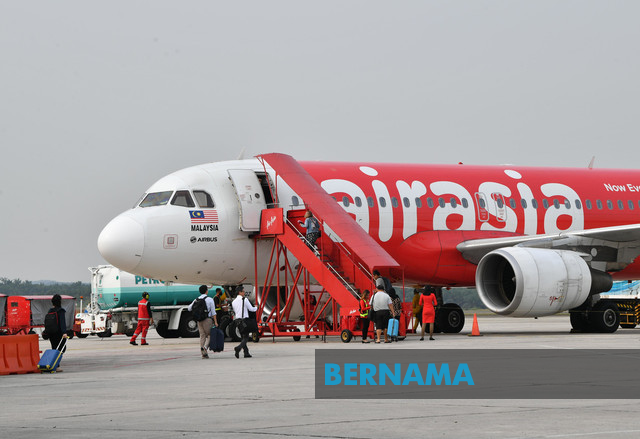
534, 241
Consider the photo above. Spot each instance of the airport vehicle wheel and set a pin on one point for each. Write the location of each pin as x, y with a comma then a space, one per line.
223, 324
188, 327
105, 334
255, 337
605, 317
296, 337
81, 335
451, 318
578, 321
346, 336
628, 325
234, 332
164, 332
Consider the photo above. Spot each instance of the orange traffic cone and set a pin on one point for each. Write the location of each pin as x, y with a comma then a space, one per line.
475, 331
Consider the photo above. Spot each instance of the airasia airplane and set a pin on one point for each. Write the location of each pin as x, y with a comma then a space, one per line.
533, 241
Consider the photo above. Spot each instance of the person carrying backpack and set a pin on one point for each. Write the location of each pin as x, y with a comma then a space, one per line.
204, 311
55, 325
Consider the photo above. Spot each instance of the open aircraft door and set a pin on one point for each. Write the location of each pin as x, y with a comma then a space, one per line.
251, 199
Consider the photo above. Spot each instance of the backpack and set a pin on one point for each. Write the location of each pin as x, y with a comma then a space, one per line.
317, 223
51, 322
199, 309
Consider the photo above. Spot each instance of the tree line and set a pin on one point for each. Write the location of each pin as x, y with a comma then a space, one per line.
17, 287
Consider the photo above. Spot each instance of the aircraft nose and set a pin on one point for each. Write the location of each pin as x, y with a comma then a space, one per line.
121, 243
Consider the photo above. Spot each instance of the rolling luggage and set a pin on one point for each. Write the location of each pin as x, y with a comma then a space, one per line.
392, 330
50, 359
216, 341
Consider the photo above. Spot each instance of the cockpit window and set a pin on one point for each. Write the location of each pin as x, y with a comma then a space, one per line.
156, 199
203, 199
183, 198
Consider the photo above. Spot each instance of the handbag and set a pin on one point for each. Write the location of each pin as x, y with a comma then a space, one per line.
247, 324
372, 312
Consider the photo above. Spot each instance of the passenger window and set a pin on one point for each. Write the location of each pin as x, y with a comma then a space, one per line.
441, 201
499, 203
295, 201
430, 202
578, 204
465, 203
183, 198
609, 204
534, 203
370, 201
345, 201
454, 203
358, 201
599, 204
512, 203
394, 202
567, 203
630, 205
523, 203
418, 203
406, 202
556, 204
483, 204
620, 205
204, 199
383, 202
588, 204
545, 203
156, 199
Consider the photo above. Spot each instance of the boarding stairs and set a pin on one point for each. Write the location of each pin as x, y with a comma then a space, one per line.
335, 274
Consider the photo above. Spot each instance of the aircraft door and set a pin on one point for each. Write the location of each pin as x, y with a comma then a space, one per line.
251, 200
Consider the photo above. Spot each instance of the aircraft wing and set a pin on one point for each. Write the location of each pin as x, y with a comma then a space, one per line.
605, 249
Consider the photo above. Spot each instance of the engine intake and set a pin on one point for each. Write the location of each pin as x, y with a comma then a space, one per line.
533, 282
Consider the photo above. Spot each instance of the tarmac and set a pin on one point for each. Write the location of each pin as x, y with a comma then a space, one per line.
109, 389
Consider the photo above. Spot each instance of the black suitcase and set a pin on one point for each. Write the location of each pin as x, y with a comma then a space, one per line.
216, 341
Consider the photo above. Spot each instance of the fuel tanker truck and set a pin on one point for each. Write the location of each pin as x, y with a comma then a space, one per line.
113, 308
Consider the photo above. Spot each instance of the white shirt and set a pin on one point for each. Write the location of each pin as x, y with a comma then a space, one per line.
237, 307
380, 301
211, 306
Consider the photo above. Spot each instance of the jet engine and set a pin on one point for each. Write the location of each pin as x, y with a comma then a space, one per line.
533, 282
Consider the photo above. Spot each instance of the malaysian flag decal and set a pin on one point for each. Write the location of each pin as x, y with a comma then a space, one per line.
204, 216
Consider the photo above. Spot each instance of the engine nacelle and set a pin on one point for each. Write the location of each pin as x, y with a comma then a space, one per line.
533, 282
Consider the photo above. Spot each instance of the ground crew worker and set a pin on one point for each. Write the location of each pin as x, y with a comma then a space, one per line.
144, 320
218, 300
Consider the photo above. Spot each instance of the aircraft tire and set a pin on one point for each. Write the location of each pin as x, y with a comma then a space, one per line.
579, 322
451, 318
605, 317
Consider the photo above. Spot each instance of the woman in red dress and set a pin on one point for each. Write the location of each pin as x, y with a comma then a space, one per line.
428, 302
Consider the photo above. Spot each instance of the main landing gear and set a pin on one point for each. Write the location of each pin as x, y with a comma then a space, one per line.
603, 317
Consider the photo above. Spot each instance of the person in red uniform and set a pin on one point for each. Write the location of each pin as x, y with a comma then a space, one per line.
144, 320
429, 303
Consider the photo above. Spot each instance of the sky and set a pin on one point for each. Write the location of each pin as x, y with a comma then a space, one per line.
98, 100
